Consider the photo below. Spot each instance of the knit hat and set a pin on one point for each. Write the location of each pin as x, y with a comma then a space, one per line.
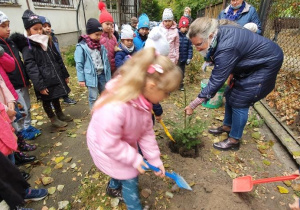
105, 16
183, 22
3, 18
168, 14
45, 20
93, 26
143, 21
158, 40
134, 20
30, 19
126, 32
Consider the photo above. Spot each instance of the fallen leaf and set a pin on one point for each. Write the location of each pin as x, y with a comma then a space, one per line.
282, 190
66, 153
232, 175
255, 135
58, 144
51, 190
114, 202
266, 162
63, 204
169, 194
96, 175
67, 160
39, 117
47, 180
58, 166
47, 171
60, 187
296, 187
73, 165
146, 192
288, 183
59, 159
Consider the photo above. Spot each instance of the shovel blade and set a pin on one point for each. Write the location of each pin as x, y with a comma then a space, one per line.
242, 184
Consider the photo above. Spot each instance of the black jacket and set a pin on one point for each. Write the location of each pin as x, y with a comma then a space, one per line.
253, 60
18, 77
12, 183
46, 70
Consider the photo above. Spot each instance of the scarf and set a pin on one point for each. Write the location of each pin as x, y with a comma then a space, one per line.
130, 50
143, 38
41, 39
230, 13
91, 43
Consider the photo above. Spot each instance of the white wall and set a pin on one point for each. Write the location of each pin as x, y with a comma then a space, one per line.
63, 20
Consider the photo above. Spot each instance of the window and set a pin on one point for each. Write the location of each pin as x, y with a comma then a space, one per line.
54, 3
11, 2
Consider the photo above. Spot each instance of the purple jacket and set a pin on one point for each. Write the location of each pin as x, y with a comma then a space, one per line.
110, 44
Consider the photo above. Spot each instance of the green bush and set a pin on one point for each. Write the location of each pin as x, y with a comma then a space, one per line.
69, 56
189, 136
194, 70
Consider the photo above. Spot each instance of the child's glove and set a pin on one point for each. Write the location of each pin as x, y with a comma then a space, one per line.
1, 51
188, 61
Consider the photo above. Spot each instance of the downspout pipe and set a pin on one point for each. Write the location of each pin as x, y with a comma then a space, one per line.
77, 21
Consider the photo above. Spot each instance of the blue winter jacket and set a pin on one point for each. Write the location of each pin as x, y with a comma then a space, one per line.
185, 47
253, 60
86, 71
248, 15
122, 56
138, 42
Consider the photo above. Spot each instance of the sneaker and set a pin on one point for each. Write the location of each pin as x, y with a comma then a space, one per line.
35, 194
69, 101
34, 130
115, 193
22, 208
27, 135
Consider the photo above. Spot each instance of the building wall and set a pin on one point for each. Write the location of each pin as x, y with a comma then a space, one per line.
63, 20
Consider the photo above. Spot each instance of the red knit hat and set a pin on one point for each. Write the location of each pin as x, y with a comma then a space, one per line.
183, 22
105, 16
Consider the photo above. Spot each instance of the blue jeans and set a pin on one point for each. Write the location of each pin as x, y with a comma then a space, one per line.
130, 192
236, 118
95, 91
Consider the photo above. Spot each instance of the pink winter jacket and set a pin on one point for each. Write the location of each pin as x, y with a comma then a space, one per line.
110, 45
114, 132
173, 39
7, 64
8, 140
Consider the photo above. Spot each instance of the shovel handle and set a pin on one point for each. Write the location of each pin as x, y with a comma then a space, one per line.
153, 168
275, 179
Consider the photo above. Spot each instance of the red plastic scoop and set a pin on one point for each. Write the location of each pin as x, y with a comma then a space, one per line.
245, 183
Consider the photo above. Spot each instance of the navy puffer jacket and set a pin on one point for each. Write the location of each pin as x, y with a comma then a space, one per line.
253, 60
122, 56
185, 47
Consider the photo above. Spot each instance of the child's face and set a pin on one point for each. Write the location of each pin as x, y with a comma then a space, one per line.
127, 42
47, 28
96, 36
153, 94
4, 30
35, 29
184, 29
168, 23
107, 27
144, 31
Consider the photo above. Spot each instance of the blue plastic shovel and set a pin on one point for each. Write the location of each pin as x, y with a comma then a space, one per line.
177, 178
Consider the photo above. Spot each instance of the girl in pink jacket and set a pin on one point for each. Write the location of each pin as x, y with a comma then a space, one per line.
172, 36
122, 119
108, 40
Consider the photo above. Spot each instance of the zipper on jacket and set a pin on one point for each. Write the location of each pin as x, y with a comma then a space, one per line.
55, 69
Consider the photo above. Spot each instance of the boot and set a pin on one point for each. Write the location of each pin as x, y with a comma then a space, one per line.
22, 158
61, 116
58, 123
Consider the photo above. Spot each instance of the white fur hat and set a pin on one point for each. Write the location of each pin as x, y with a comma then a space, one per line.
158, 40
168, 14
3, 18
126, 32
251, 26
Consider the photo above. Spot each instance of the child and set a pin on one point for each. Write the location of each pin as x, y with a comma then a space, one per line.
46, 70
19, 80
48, 31
126, 46
108, 40
171, 33
92, 64
142, 32
185, 46
122, 119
